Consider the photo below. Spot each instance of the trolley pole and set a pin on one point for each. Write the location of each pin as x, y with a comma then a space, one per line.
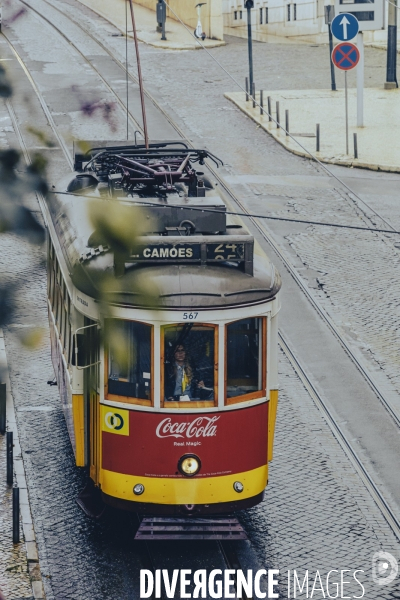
249, 4
391, 57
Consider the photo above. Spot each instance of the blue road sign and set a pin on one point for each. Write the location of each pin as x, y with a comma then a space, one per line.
344, 27
345, 56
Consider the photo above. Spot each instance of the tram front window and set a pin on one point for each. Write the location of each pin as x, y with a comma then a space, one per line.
245, 362
189, 369
129, 359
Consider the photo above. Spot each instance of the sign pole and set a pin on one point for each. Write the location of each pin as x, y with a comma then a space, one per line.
347, 112
249, 5
391, 57
360, 81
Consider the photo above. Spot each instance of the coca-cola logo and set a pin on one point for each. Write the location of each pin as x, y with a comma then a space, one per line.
199, 427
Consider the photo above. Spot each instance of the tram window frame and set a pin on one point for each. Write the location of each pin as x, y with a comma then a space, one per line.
67, 339
51, 275
57, 311
166, 404
130, 399
64, 315
53, 287
49, 267
258, 393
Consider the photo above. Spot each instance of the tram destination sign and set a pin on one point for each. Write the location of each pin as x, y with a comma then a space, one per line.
189, 252
200, 249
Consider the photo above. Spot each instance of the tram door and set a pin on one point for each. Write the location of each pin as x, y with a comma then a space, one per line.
91, 383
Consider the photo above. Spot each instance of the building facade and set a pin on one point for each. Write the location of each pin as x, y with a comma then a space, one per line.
286, 18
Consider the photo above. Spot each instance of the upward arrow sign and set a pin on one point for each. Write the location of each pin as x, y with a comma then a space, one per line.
344, 22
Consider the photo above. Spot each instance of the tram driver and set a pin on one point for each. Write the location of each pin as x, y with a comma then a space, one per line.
181, 382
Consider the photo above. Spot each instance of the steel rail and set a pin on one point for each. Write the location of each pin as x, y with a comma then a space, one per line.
264, 233
232, 561
392, 520
26, 154
70, 43
43, 104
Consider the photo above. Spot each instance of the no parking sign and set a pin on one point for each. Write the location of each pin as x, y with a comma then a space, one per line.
345, 56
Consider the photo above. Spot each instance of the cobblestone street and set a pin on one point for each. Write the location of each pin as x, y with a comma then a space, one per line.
14, 576
317, 513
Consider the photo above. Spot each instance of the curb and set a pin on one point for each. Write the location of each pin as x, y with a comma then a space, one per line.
144, 38
288, 144
19, 470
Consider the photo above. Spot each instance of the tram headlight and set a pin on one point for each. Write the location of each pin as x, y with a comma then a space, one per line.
189, 465
138, 489
238, 487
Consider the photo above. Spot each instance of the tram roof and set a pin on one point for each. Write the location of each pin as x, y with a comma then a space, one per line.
183, 271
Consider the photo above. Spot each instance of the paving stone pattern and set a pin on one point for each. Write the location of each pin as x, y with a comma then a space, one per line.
14, 577
316, 514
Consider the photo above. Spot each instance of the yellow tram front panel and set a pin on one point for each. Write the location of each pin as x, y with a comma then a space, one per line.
184, 491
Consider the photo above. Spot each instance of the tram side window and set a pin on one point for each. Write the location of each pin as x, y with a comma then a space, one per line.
189, 363
128, 347
245, 359
51, 275
49, 268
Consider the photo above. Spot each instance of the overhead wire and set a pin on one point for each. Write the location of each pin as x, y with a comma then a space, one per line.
143, 202
288, 134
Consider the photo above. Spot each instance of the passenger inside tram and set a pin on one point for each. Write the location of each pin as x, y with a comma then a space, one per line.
181, 382
189, 366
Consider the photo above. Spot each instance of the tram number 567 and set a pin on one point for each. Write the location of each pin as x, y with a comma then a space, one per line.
190, 316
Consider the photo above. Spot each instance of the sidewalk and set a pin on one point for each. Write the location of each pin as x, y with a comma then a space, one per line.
178, 37
378, 145
20, 577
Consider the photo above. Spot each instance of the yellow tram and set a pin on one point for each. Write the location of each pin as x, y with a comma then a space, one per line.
185, 424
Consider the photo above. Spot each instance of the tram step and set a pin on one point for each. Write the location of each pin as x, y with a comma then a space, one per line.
161, 528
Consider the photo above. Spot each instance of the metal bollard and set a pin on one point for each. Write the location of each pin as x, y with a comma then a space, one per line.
253, 91
277, 116
317, 136
269, 108
261, 102
15, 515
2, 408
10, 469
247, 88
355, 145
287, 122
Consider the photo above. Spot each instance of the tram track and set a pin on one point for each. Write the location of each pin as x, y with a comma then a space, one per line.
391, 518
84, 58
347, 447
